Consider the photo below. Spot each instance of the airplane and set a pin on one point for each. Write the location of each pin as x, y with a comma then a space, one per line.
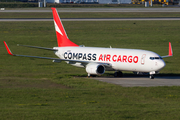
97, 60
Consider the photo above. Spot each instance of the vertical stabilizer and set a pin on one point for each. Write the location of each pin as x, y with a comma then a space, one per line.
62, 38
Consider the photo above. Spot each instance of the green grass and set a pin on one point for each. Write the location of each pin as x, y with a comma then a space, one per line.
39, 89
89, 14
85, 99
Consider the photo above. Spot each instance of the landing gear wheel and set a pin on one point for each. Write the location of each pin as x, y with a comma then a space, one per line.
151, 76
89, 76
118, 74
93, 75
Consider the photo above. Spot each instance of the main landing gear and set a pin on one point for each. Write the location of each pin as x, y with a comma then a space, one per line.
118, 74
90, 75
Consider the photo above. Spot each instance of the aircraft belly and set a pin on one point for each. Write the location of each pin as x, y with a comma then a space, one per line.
78, 65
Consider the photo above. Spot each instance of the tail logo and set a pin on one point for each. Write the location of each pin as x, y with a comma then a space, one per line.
57, 28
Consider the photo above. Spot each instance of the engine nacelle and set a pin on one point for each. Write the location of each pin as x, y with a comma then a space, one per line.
95, 69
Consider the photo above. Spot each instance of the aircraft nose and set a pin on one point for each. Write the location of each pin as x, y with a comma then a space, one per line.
161, 64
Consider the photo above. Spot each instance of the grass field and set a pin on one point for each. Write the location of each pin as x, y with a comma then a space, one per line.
89, 14
39, 89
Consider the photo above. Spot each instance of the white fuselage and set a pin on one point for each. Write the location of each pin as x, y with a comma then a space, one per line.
120, 59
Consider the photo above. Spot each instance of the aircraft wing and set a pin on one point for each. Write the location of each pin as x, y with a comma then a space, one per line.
54, 59
170, 51
36, 47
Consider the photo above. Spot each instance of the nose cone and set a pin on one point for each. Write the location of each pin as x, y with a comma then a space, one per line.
161, 64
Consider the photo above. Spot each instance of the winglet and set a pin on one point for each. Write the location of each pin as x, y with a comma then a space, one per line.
170, 52
170, 49
8, 50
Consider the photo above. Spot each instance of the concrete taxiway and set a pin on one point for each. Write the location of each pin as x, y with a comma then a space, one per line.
87, 19
177, 9
142, 81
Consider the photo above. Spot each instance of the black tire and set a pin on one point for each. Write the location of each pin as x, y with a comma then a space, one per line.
118, 74
151, 77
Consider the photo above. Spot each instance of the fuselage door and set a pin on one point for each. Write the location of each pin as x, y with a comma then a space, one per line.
143, 59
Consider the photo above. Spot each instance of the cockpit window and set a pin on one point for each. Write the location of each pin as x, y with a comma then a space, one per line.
152, 58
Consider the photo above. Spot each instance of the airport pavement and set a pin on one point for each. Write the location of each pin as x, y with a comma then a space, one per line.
87, 19
165, 9
141, 81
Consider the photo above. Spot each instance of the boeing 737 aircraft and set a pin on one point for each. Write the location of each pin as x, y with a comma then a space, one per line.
96, 60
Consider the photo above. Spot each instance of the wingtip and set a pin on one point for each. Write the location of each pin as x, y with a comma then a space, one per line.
170, 49
7, 48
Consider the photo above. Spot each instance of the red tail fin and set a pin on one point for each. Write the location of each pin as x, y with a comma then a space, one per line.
62, 38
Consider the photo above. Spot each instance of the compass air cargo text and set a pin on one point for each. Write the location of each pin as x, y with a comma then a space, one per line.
102, 57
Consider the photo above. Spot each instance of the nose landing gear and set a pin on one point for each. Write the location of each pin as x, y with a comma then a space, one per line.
151, 76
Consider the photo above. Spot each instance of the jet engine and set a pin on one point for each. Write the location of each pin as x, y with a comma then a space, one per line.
95, 69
